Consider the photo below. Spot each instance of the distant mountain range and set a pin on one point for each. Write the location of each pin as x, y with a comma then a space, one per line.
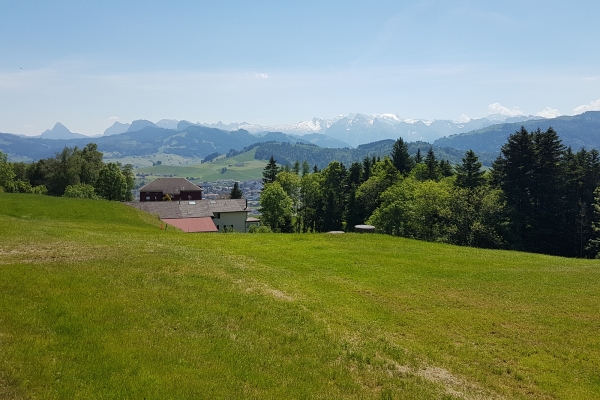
577, 131
145, 138
194, 142
352, 130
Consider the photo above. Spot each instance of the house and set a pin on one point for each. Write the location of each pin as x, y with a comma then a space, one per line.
200, 215
175, 188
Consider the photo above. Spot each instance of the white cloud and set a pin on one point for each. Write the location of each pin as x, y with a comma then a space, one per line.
549, 113
113, 118
593, 106
464, 119
262, 76
497, 108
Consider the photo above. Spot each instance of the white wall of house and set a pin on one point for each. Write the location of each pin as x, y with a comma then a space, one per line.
229, 219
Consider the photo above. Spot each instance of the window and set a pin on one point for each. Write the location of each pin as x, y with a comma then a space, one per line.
217, 215
217, 227
147, 197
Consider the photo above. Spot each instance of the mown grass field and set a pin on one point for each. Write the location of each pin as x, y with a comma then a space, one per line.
212, 171
97, 302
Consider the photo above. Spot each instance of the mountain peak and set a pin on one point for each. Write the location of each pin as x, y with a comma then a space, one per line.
116, 128
59, 131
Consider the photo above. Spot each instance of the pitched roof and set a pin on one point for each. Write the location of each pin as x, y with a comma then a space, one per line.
227, 205
170, 186
204, 224
190, 209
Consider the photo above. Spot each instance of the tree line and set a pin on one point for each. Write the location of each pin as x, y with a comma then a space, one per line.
287, 153
73, 172
538, 197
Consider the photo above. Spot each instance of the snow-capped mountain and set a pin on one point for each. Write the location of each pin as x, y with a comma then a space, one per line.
315, 125
353, 129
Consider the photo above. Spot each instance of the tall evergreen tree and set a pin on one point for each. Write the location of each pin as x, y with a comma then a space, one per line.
335, 196
236, 192
367, 166
400, 157
446, 169
469, 174
353, 214
432, 165
270, 171
547, 191
418, 157
296, 167
512, 172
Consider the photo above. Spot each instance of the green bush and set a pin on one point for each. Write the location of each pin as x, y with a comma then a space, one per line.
259, 229
81, 191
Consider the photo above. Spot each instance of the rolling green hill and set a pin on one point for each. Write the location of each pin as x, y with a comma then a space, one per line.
96, 301
239, 168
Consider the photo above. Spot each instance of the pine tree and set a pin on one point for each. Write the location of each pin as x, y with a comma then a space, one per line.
432, 165
418, 157
446, 169
469, 175
593, 245
512, 173
270, 171
400, 157
236, 192
548, 193
296, 168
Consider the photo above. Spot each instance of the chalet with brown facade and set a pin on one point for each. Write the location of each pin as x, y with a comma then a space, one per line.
175, 188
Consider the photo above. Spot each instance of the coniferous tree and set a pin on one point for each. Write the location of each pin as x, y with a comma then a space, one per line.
236, 192
305, 168
469, 174
400, 157
353, 214
432, 165
296, 168
547, 191
270, 171
593, 244
512, 173
367, 166
418, 157
446, 169
335, 197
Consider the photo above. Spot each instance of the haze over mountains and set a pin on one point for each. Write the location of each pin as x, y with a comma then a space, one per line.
186, 139
352, 130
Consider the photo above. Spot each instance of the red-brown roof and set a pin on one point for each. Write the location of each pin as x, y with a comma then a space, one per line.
170, 186
204, 224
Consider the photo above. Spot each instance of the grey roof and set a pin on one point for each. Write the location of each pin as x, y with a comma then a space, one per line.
190, 209
170, 186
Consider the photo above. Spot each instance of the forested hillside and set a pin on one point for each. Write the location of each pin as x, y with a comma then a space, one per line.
288, 153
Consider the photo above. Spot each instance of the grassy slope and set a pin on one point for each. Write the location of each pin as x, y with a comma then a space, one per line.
97, 302
210, 172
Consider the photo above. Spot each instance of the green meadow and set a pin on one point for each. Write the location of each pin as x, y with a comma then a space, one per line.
213, 171
96, 301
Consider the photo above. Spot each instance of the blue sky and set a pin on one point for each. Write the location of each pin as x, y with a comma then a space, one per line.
88, 64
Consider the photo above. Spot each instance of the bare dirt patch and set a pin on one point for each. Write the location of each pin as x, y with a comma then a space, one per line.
452, 384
